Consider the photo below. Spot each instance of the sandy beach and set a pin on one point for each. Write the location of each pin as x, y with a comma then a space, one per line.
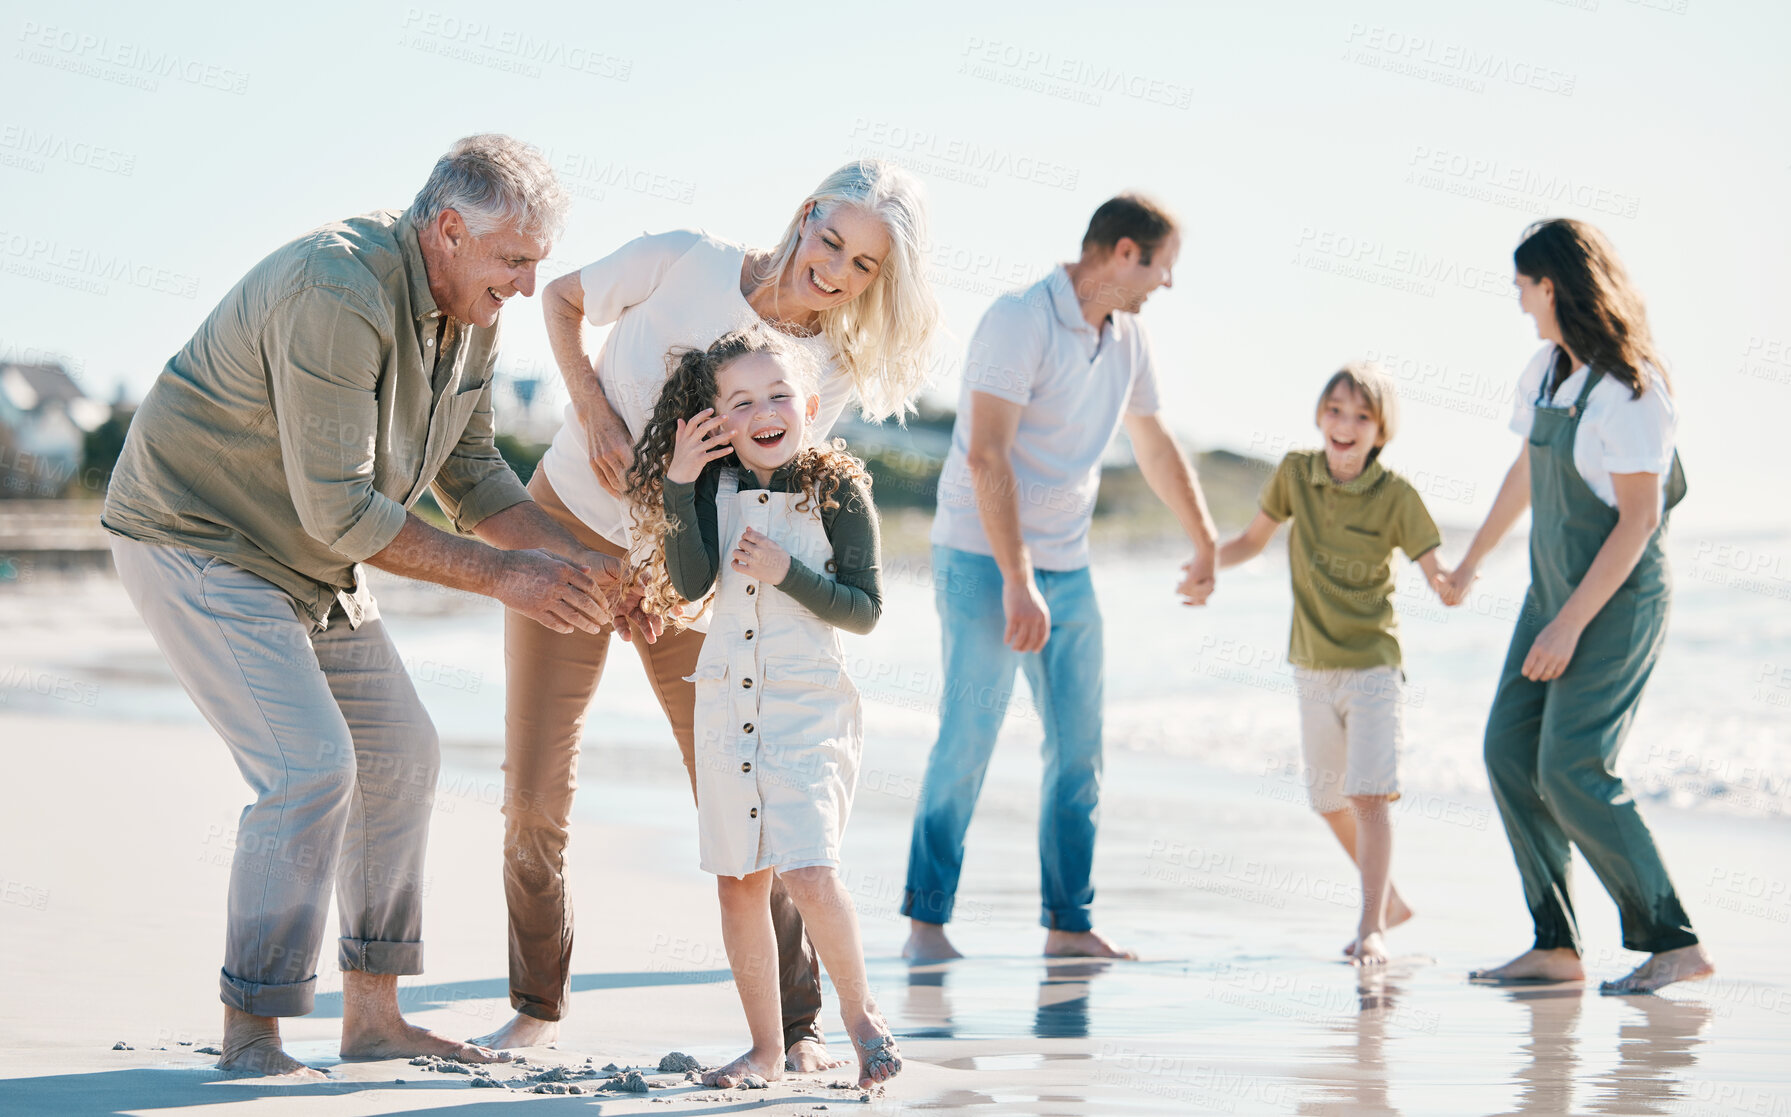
119, 831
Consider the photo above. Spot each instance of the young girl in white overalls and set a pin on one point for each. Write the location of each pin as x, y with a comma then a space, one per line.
724, 471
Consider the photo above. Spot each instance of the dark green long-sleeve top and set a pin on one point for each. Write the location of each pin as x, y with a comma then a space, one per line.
853, 600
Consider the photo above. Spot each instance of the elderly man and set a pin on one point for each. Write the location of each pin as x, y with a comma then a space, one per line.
1053, 372
280, 449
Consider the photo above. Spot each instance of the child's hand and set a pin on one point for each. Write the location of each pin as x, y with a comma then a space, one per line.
760, 557
1197, 580
701, 439
1453, 585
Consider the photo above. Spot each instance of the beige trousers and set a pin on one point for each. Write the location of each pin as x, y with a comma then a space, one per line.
551, 679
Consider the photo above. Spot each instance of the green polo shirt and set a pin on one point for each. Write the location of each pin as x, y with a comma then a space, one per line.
1340, 554
315, 405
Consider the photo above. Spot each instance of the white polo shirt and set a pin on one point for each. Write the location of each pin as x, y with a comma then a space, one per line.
1618, 433
661, 291
1076, 384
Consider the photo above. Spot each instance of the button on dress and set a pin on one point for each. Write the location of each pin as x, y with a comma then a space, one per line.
779, 729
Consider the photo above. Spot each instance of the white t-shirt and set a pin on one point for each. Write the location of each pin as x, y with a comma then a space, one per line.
666, 290
1036, 349
1618, 433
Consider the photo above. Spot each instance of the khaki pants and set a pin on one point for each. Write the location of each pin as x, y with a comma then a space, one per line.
327, 730
551, 679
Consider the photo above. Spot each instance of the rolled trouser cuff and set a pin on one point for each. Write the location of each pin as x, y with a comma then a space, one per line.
373, 956
929, 905
1075, 920
293, 998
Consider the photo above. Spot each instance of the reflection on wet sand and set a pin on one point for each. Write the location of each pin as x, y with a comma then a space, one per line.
1327, 1040
1657, 1050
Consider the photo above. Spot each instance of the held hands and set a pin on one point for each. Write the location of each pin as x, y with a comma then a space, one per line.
557, 594
1552, 651
1028, 618
1452, 586
1197, 579
760, 557
701, 439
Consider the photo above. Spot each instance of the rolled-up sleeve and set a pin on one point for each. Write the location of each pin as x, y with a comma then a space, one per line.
475, 481
322, 354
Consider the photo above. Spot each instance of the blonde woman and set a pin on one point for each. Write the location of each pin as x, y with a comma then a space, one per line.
847, 283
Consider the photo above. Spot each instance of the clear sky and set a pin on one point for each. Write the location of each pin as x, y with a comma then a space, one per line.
1352, 176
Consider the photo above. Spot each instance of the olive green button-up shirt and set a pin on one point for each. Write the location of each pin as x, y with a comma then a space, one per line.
314, 406
1341, 557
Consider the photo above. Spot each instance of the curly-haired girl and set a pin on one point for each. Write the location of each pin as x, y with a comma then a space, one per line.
723, 460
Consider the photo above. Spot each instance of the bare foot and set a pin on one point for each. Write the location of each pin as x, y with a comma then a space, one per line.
1688, 963
373, 1029
1368, 950
521, 1031
252, 1047
1083, 944
806, 1056
927, 943
766, 1064
878, 1059
1397, 913
1560, 964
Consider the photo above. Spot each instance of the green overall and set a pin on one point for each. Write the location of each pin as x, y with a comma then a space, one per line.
1551, 747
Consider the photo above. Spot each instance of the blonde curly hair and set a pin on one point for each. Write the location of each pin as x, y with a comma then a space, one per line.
819, 471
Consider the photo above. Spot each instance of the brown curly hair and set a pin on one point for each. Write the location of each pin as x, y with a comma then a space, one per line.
1599, 310
819, 471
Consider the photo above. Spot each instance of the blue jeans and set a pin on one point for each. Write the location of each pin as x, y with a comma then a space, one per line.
979, 678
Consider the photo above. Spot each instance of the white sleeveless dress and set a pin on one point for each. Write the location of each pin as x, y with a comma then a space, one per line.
779, 729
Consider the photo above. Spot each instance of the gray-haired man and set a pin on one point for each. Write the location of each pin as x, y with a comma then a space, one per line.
281, 448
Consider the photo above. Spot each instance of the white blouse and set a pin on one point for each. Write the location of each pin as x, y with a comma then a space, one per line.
1618, 433
661, 291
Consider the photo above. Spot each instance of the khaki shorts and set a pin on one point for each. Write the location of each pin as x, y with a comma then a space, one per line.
1352, 726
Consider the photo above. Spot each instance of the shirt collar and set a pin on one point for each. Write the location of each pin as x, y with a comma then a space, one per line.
421, 301
1321, 475
1064, 300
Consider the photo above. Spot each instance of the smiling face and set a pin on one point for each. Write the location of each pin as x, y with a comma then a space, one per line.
1131, 280
1351, 432
765, 414
472, 277
1537, 297
841, 252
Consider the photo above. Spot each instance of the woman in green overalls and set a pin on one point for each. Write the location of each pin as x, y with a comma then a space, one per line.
1599, 473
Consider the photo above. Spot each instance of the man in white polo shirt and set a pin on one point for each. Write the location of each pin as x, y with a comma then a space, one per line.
1052, 372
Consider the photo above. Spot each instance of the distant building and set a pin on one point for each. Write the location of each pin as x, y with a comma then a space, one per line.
44, 418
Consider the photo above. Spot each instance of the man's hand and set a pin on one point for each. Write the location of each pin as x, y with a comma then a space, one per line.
1028, 617
551, 591
759, 556
1198, 579
611, 450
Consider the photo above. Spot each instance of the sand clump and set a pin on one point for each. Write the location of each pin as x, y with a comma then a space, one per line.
677, 1062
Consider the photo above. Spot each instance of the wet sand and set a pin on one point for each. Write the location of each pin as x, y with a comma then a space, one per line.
118, 839
118, 833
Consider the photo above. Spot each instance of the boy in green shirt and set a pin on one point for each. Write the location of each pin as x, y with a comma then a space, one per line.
1349, 512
